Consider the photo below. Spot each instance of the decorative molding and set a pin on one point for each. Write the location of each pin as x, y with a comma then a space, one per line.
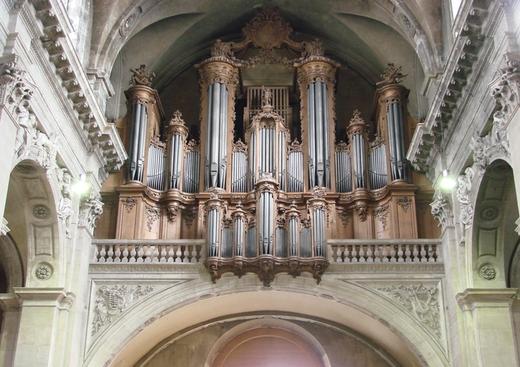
40, 211
129, 203
130, 21
43, 271
152, 215
487, 272
381, 213
404, 202
68, 72
420, 300
441, 209
473, 40
112, 300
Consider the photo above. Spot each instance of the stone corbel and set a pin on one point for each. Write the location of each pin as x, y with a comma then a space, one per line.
441, 209
91, 209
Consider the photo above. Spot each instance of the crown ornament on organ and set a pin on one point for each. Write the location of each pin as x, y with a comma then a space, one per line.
141, 76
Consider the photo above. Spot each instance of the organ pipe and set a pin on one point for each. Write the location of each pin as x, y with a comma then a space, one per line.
219, 77
391, 100
316, 83
177, 135
239, 231
358, 143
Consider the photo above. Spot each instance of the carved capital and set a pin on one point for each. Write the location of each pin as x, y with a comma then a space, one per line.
218, 71
322, 70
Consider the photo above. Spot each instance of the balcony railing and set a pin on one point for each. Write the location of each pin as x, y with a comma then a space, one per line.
183, 251
399, 251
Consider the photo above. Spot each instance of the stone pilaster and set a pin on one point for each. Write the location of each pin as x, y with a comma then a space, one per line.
488, 317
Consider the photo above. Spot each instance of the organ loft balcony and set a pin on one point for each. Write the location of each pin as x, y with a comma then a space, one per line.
260, 175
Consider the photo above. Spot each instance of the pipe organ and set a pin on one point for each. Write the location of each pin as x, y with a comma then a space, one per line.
268, 200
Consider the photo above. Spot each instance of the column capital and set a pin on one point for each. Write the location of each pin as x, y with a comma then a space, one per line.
40, 297
9, 302
472, 298
218, 70
316, 68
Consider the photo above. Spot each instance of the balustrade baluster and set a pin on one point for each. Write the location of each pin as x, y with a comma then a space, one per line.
102, 254
178, 254
424, 253
140, 253
117, 253
370, 254
124, 258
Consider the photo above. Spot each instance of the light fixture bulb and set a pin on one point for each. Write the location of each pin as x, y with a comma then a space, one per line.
447, 183
81, 186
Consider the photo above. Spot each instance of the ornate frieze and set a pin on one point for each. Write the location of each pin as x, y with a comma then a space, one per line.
112, 300
422, 301
97, 132
453, 84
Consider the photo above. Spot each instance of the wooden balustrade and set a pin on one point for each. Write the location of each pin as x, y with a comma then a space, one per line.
148, 251
400, 251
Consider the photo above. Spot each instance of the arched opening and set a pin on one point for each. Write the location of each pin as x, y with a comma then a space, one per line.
178, 310
496, 210
32, 241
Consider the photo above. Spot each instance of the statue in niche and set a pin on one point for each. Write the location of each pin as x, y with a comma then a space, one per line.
141, 76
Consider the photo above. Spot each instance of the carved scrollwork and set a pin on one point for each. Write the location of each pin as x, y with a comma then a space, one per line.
91, 209
440, 209
152, 214
381, 213
141, 76
112, 300
420, 300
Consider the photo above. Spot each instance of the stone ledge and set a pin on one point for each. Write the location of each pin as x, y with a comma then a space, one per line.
473, 298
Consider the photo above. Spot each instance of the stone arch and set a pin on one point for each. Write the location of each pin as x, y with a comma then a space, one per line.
493, 237
359, 308
31, 211
230, 338
11, 264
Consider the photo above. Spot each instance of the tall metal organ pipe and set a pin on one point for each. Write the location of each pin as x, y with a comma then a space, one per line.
177, 135
214, 226
138, 135
392, 97
219, 78
318, 224
358, 143
239, 231
316, 82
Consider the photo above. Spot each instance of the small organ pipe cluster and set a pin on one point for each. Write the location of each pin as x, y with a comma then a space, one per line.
267, 202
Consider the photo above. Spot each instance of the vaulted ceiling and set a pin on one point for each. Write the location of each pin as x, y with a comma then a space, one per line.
170, 36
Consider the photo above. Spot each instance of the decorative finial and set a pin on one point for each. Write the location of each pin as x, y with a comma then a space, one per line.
177, 118
222, 49
356, 118
392, 74
141, 76
312, 48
